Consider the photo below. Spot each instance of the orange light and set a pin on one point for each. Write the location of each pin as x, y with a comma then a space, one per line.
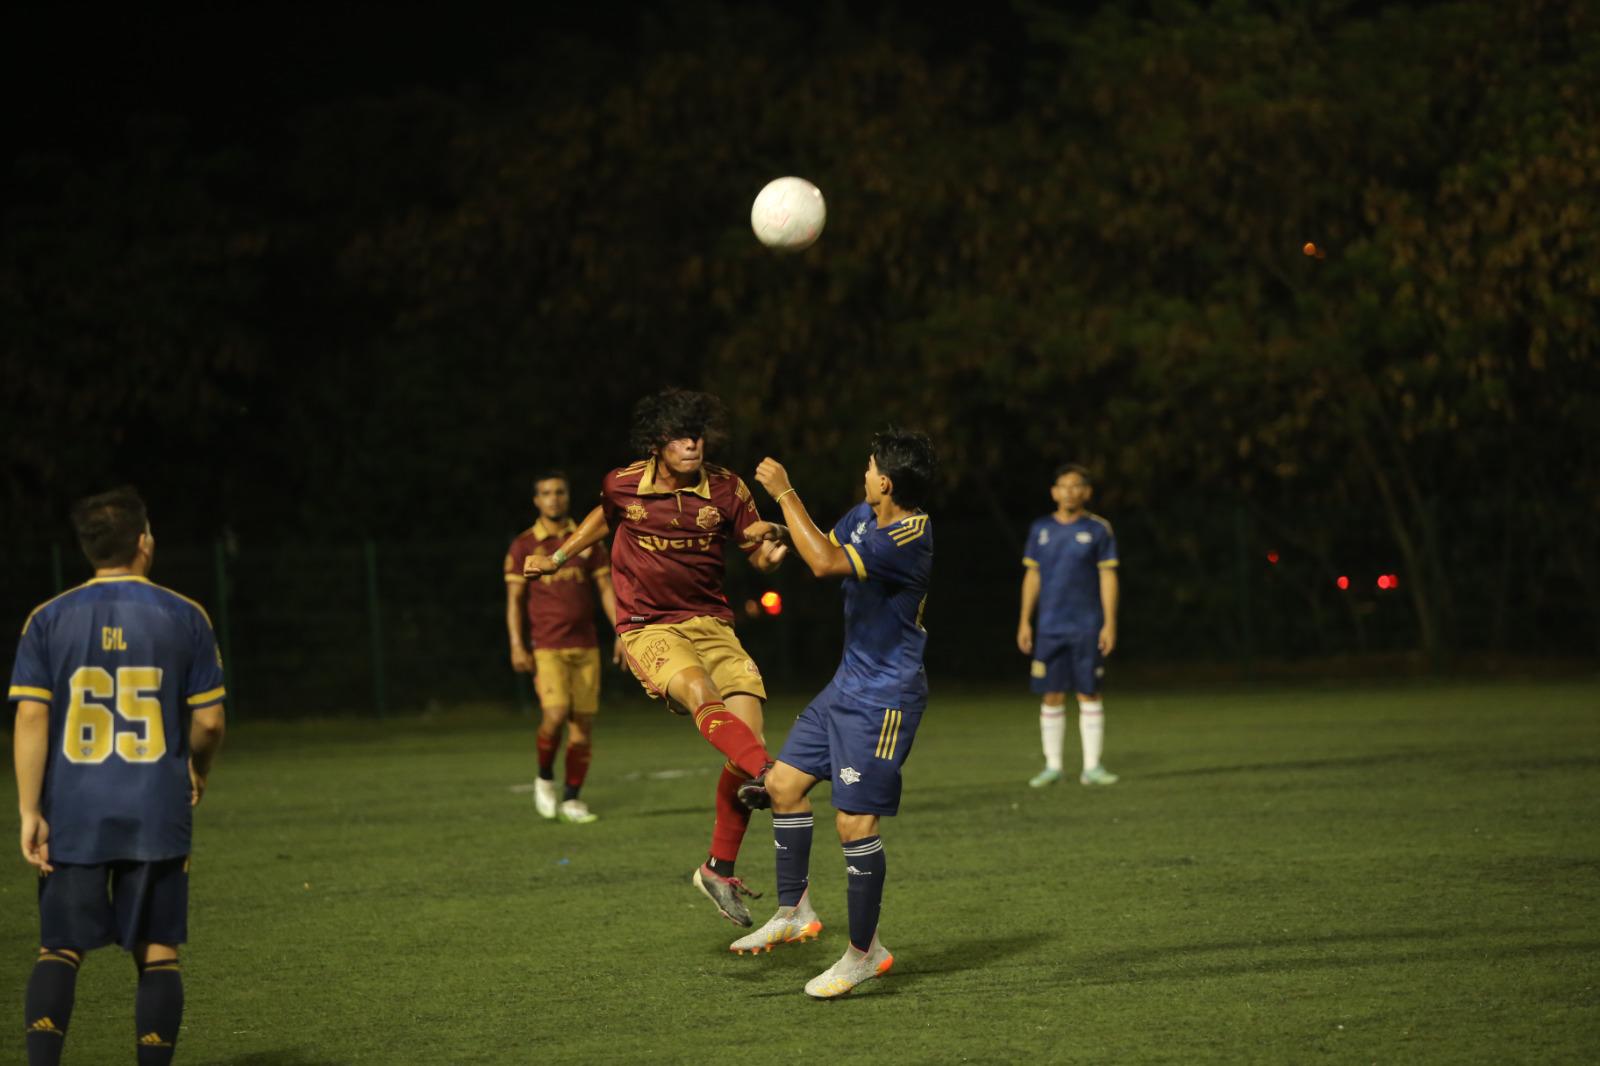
1272, 558
1309, 248
1343, 582
772, 603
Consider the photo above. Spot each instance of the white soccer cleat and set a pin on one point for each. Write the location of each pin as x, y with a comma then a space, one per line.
791, 925
1097, 775
576, 812
851, 970
544, 798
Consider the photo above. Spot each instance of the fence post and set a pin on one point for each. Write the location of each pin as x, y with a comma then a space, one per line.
1241, 538
375, 620
55, 569
230, 676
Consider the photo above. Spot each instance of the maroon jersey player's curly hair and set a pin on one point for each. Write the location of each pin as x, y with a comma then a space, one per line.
673, 415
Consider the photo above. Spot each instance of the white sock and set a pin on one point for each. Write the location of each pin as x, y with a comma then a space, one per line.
1092, 730
1052, 731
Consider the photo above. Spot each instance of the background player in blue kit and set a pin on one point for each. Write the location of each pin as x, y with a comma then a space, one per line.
859, 730
1070, 574
118, 686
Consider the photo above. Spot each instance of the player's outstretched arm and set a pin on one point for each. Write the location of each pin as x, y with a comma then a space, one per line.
206, 731
590, 531
825, 558
30, 751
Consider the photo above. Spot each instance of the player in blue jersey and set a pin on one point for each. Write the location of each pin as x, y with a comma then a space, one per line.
118, 687
859, 730
1070, 575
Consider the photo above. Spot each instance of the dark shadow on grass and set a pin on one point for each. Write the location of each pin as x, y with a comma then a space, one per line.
285, 1057
797, 965
1346, 763
1306, 954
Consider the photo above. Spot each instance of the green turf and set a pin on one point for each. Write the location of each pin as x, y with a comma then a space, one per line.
1399, 873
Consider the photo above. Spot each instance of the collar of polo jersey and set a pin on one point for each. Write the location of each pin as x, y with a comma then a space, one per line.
543, 530
648, 486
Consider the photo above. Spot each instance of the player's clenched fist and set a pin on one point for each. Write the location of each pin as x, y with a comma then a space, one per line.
538, 566
773, 477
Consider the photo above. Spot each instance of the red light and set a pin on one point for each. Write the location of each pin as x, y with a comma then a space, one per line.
1272, 558
1343, 582
1394, 580
772, 603
1383, 581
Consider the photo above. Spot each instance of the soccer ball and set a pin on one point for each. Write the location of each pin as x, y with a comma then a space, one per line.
788, 214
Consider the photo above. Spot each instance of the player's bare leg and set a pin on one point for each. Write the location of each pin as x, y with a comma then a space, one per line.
158, 1004
864, 957
795, 920
728, 729
545, 795
580, 727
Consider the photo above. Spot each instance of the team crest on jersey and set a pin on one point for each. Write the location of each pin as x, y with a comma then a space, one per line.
861, 531
1044, 536
750, 667
849, 776
708, 518
1084, 536
635, 512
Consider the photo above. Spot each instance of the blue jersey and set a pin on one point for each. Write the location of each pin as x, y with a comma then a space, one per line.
883, 601
1069, 557
122, 664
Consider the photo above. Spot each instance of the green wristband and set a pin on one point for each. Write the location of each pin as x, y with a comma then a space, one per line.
559, 558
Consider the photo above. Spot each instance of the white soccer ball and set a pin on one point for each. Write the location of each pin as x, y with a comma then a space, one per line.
788, 214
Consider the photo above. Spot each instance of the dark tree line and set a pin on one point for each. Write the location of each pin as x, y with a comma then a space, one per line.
1299, 257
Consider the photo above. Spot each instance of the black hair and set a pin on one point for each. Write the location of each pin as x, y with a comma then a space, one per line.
907, 459
551, 475
109, 525
673, 415
1073, 468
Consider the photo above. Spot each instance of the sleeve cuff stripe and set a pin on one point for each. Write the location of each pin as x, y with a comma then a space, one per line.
24, 692
516, 579
597, 571
1107, 564
207, 697
855, 561
1030, 564
833, 539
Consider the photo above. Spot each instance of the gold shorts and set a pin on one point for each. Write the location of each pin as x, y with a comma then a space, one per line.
568, 677
659, 653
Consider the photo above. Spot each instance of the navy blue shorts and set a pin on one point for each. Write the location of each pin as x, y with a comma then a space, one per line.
859, 749
1068, 664
127, 903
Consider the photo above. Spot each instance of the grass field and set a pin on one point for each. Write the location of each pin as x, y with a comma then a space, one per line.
1353, 874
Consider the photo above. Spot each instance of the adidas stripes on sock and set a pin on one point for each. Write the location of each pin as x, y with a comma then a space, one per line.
48, 1008
158, 1011
866, 866
792, 835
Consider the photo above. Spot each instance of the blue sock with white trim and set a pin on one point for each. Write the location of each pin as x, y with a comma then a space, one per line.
792, 835
867, 866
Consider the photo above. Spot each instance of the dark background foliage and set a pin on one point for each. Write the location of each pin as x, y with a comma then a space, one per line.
321, 278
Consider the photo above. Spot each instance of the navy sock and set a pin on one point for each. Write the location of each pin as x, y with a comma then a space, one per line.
48, 1008
867, 867
792, 834
158, 1011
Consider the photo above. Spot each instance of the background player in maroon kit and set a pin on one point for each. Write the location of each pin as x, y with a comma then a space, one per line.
564, 656
673, 513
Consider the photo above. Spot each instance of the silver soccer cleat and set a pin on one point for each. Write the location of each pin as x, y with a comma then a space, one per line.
850, 971
791, 925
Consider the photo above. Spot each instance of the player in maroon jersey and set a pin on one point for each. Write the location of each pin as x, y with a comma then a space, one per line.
673, 514
564, 656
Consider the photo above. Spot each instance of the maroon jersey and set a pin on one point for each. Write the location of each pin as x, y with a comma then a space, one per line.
560, 605
669, 542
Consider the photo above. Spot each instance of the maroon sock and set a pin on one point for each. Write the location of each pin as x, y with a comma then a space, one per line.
577, 767
723, 730
733, 818
547, 754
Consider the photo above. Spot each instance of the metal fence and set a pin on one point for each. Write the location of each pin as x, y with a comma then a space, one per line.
379, 627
